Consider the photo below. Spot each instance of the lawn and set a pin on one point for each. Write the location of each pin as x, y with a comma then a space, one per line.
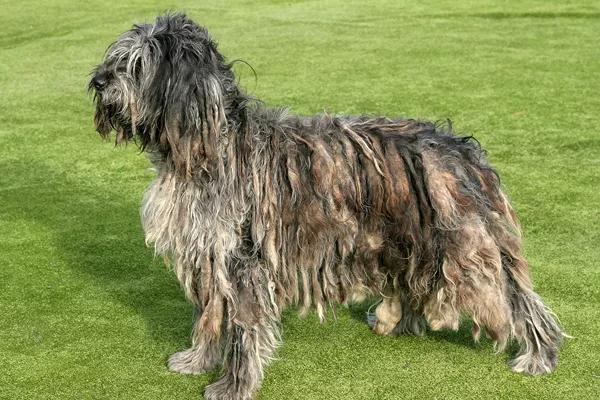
87, 313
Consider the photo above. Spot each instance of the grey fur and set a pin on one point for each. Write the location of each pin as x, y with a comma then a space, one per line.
257, 210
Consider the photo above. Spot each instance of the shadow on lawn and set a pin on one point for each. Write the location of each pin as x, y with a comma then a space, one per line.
97, 233
110, 249
462, 337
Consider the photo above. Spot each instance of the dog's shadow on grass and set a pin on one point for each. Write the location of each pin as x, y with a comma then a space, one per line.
96, 229
461, 338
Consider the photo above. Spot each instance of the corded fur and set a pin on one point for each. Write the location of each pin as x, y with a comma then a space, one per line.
257, 210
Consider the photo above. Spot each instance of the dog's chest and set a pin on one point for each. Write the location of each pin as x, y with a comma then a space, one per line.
189, 219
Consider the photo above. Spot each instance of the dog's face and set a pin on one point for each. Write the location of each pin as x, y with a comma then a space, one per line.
164, 84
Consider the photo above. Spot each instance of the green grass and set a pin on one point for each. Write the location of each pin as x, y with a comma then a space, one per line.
88, 314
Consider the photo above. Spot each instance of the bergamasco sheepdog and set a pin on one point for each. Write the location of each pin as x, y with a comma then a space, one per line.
257, 209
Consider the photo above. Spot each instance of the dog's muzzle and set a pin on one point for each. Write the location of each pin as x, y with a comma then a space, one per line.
99, 82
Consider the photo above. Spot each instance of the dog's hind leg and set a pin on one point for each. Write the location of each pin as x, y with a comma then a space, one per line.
412, 323
204, 355
252, 336
486, 276
388, 313
394, 316
472, 283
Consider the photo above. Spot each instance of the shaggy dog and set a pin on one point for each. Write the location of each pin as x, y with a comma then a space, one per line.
257, 210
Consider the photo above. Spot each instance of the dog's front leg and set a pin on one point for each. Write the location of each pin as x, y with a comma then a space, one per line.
252, 335
204, 355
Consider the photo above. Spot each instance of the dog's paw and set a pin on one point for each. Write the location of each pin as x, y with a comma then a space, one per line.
381, 328
190, 362
387, 315
535, 364
377, 326
224, 389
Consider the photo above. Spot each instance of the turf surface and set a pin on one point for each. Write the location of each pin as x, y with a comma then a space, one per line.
88, 314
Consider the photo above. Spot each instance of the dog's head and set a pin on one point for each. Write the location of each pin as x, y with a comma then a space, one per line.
167, 85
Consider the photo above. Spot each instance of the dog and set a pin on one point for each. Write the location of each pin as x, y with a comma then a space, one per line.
257, 210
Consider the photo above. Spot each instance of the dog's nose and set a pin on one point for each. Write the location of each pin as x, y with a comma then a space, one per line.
99, 82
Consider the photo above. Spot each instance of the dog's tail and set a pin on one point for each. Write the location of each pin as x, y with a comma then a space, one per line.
534, 326
533, 323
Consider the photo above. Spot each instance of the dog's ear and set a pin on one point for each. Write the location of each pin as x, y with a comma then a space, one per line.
181, 96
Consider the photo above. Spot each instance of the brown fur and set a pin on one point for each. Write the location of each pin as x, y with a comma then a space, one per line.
259, 210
